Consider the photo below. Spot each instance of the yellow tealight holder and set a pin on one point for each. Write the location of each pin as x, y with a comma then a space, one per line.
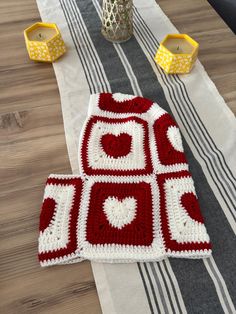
44, 42
177, 53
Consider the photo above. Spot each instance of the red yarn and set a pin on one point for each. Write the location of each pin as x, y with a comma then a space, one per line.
166, 152
190, 203
135, 105
116, 146
47, 212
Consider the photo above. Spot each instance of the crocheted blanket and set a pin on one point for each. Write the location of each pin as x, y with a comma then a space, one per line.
134, 199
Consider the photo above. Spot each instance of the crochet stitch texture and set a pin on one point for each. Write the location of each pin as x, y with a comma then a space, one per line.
134, 199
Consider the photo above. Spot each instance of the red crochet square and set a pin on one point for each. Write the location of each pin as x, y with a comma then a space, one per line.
60, 209
166, 132
115, 147
130, 223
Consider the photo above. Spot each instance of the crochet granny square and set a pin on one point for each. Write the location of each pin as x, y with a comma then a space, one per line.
115, 147
134, 199
59, 219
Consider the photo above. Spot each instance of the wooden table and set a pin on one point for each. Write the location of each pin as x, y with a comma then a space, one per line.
33, 145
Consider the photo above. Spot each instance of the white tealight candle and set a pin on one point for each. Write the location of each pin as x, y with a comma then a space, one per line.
178, 46
42, 34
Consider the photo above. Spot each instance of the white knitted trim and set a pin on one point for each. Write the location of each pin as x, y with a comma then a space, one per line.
193, 254
63, 176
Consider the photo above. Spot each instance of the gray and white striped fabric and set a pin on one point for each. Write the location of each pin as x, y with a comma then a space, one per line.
93, 65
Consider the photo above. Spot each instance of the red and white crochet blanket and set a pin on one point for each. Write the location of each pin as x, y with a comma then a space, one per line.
134, 199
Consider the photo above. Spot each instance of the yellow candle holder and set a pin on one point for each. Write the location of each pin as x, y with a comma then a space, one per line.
177, 53
44, 42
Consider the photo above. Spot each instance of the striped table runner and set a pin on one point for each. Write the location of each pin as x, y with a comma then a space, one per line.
94, 65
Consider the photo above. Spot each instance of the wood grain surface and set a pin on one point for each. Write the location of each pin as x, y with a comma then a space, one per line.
32, 144
217, 42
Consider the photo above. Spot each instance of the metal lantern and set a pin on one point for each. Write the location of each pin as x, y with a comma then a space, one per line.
117, 20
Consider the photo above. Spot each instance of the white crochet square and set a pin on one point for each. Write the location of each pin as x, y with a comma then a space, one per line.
97, 157
56, 235
182, 227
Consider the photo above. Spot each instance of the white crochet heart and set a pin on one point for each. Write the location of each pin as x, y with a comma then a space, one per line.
122, 97
174, 137
120, 213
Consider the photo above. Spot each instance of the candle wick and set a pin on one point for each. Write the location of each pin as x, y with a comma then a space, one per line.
178, 48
